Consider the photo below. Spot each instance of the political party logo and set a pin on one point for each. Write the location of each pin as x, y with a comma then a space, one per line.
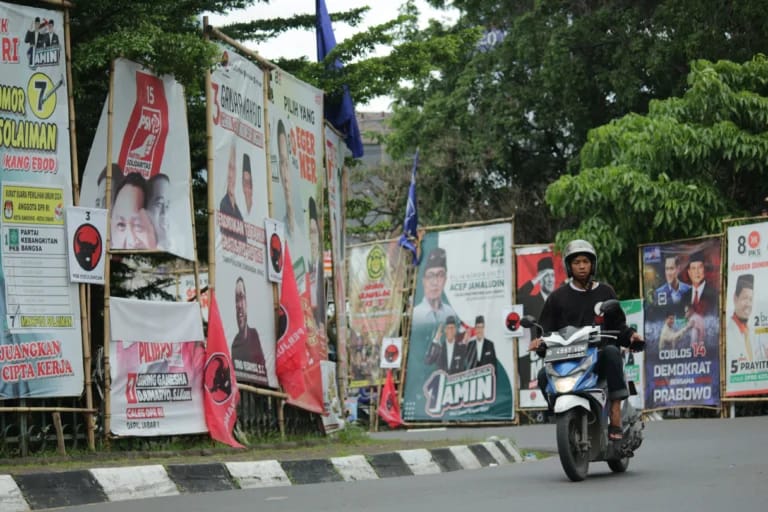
391, 353
497, 250
512, 321
42, 40
88, 247
218, 377
276, 252
8, 210
13, 239
375, 262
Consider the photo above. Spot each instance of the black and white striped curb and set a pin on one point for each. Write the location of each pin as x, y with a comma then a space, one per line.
19, 493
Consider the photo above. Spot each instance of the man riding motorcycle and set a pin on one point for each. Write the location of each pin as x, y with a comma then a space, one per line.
574, 303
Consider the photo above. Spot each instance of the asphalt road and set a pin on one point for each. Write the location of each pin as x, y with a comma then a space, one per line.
689, 465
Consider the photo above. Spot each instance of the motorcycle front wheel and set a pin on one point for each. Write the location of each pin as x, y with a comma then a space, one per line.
618, 465
574, 460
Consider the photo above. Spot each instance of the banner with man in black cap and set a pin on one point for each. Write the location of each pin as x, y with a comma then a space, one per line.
453, 369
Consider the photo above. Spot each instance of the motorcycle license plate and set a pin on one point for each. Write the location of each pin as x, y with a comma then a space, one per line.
566, 352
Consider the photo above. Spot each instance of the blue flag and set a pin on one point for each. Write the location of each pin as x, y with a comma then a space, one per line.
410, 236
340, 114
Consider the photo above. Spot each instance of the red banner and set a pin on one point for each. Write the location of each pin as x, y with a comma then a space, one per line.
220, 386
389, 406
302, 381
144, 140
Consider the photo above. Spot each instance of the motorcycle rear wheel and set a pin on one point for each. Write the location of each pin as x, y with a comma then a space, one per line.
575, 462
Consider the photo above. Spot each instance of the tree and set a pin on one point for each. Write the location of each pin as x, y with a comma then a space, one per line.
498, 127
673, 173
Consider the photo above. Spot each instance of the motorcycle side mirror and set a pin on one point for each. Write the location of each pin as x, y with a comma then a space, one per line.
528, 321
610, 306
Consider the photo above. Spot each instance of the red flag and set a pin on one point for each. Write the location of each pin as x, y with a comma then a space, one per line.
389, 406
291, 362
220, 393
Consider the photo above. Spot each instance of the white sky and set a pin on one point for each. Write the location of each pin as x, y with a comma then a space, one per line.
297, 43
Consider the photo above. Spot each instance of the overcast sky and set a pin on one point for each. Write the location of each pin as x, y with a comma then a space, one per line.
298, 43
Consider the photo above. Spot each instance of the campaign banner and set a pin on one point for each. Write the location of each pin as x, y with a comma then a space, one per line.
376, 276
333, 416
681, 292
539, 272
40, 336
296, 156
335, 176
239, 187
746, 311
86, 232
275, 236
183, 289
634, 362
391, 353
157, 356
460, 363
150, 166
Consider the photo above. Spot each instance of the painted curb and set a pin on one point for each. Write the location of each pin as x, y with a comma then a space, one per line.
38, 491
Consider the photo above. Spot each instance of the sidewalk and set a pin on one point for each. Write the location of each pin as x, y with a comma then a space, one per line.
391, 454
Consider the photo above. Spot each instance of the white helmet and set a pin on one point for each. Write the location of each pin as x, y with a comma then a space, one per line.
573, 249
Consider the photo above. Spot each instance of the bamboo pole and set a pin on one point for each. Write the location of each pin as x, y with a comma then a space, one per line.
47, 409
59, 3
237, 45
211, 177
745, 399
107, 261
263, 391
85, 306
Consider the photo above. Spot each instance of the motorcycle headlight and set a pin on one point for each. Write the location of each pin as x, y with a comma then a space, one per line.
566, 384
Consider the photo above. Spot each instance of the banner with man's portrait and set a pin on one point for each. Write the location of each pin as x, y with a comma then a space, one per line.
746, 311
239, 176
40, 335
150, 168
681, 292
376, 276
296, 156
539, 272
460, 363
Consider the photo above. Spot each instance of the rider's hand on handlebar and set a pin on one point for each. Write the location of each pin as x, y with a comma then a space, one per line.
636, 343
538, 346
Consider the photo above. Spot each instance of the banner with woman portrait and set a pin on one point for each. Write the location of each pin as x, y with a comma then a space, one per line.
40, 334
150, 168
460, 363
296, 155
239, 187
376, 276
681, 291
746, 311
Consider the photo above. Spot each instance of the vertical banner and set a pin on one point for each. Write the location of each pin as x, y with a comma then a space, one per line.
376, 274
157, 368
86, 233
335, 171
333, 417
296, 156
539, 272
243, 291
40, 340
681, 288
634, 362
151, 164
746, 311
460, 361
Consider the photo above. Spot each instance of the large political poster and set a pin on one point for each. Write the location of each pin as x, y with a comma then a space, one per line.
240, 197
681, 292
746, 311
40, 339
157, 359
335, 171
296, 155
150, 199
460, 364
539, 272
376, 274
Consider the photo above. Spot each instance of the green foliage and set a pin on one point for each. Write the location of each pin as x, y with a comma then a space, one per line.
673, 173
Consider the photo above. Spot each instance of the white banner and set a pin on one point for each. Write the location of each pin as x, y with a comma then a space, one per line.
634, 362
239, 187
86, 233
157, 358
391, 353
746, 311
333, 416
150, 164
40, 334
